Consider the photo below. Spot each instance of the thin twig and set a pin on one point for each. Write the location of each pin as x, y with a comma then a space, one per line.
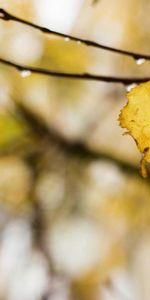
4, 15
79, 76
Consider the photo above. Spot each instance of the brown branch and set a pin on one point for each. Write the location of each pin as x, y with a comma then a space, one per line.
79, 76
70, 148
4, 15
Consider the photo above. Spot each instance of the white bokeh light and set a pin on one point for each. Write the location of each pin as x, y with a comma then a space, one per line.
58, 14
76, 245
25, 46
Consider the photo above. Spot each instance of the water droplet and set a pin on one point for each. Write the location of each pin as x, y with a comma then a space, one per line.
129, 87
25, 73
140, 61
79, 42
67, 39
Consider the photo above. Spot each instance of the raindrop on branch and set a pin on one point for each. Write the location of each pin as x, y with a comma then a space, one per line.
67, 39
25, 73
129, 87
140, 61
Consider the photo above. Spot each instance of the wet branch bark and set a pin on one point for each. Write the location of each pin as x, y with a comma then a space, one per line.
10, 17
6, 16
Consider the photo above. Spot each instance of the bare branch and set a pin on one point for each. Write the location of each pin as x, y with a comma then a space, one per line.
71, 148
6, 16
79, 76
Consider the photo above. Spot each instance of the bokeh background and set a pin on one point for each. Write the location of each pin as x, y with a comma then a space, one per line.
74, 211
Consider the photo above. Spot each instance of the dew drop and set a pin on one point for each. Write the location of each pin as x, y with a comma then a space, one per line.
67, 39
140, 61
79, 42
25, 73
130, 87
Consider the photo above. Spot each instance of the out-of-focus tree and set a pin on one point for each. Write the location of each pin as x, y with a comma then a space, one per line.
73, 208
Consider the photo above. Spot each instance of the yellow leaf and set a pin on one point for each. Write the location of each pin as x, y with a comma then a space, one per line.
135, 117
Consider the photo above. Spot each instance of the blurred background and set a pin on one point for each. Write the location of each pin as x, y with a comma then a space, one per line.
74, 211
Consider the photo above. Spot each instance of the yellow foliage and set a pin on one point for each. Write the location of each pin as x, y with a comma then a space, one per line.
15, 184
66, 56
135, 117
10, 129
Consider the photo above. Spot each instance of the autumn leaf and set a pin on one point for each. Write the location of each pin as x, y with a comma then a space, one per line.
135, 117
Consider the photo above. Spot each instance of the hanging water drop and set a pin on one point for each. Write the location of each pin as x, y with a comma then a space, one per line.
25, 73
79, 42
129, 87
67, 39
140, 61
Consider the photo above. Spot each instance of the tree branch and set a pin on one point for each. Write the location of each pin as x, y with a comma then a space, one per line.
70, 148
27, 70
4, 15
